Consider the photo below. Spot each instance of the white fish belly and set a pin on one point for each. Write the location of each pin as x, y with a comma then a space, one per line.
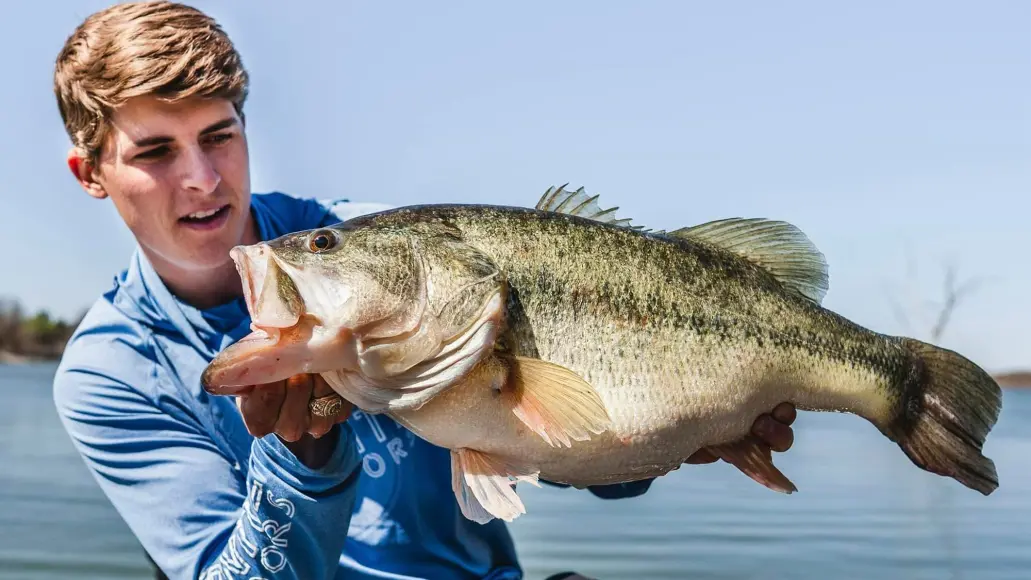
659, 419
664, 406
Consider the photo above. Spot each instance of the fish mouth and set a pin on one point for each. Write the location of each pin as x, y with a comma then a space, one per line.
264, 357
285, 340
272, 299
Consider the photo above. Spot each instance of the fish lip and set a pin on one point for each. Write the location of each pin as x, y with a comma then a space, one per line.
241, 348
246, 269
258, 265
256, 358
252, 264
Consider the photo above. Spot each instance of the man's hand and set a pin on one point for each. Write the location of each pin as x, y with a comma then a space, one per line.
774, 429
282, 408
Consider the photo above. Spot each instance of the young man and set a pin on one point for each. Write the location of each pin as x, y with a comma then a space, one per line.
255, 485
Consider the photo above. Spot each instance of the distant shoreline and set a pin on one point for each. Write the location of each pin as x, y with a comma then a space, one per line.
1014, 380
9, 358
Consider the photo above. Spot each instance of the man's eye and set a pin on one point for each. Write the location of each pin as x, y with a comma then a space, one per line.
220, 138
153, 153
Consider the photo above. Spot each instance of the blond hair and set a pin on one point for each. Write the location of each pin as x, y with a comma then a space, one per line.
164, 49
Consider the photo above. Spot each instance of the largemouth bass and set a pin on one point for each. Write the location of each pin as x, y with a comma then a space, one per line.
563, 344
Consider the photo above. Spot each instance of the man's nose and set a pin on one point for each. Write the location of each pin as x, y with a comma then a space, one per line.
198, 171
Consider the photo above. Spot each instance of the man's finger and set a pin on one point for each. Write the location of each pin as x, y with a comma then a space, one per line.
774, 433
294, 417
260, 408
321, 425
785, 413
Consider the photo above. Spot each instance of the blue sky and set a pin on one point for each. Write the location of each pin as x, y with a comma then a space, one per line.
878, 128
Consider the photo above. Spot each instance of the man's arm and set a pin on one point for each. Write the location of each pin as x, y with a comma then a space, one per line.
193, 511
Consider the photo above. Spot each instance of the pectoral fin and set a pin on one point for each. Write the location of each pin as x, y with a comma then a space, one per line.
485, 485
553, 401
754, 458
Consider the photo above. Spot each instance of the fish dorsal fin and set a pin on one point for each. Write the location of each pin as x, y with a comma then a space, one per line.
779, 247
578, 203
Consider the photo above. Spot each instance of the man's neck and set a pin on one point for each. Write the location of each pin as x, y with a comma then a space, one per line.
204, 289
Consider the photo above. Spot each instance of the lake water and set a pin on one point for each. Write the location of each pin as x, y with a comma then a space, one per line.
863, 510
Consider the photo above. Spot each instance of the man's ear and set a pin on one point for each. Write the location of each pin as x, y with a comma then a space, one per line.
83, 170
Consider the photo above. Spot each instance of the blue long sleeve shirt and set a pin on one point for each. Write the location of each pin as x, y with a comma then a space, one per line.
207, 499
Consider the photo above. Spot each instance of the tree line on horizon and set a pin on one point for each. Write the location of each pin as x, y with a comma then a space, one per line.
33, 335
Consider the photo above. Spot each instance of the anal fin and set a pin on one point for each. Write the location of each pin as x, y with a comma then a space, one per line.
485, 485
755, 460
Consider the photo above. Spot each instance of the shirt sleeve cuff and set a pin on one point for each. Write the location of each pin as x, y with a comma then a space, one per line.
269, 452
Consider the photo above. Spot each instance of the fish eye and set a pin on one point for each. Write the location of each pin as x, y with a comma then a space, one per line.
321, 240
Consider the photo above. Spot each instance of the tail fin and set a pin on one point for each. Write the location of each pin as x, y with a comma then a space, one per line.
950, 405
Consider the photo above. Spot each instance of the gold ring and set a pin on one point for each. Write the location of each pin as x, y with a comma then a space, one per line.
327, 406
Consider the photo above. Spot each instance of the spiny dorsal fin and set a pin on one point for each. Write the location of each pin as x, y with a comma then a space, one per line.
780, 247
560, 200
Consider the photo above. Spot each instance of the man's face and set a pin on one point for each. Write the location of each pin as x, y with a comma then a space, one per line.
178, 175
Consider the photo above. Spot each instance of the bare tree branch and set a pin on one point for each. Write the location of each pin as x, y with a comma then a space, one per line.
921, 316
953, 295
